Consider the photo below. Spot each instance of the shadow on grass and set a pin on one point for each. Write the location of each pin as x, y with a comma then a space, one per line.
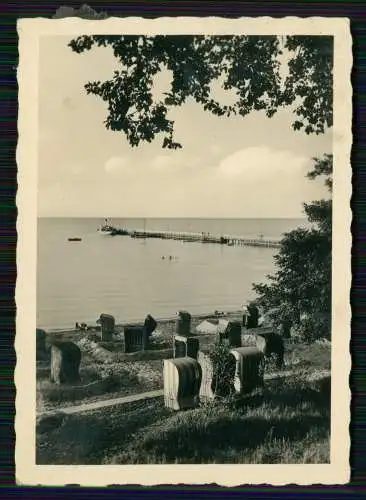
83, 439
237, 434
290, 398
148, 355
243, 427
92, 383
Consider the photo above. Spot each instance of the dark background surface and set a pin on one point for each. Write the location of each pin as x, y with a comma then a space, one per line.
10, 12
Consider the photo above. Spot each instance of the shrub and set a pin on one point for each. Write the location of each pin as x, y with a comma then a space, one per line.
313, 327
223, 365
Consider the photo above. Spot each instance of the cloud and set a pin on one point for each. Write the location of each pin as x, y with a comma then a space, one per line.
256, 164
173, 163
216, 149
162, 162
116, 164
263, 182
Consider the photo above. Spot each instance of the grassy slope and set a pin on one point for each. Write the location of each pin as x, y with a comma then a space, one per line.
289, 422
119, 375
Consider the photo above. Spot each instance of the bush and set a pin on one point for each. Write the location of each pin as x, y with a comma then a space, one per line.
312, 328
223, 365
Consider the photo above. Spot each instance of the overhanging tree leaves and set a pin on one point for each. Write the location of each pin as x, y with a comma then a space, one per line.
249, 65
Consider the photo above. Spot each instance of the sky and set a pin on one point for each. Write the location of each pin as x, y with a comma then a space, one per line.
228, 167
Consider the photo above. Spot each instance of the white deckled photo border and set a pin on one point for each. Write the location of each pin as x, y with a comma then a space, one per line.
27, 472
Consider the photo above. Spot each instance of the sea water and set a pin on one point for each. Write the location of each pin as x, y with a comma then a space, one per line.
129, 278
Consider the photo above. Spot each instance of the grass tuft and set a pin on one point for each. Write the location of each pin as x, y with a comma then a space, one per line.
287, 421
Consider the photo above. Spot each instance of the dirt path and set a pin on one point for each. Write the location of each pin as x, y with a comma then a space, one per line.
153, 394
96, 405
103, 404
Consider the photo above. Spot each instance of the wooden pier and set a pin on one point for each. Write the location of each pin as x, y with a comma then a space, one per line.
207, 238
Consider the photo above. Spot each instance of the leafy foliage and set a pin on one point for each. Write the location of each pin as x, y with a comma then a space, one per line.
251, 66
310, 80
300, 290
248, 65
223, 367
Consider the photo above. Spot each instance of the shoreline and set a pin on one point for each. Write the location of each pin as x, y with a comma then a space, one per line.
160, 321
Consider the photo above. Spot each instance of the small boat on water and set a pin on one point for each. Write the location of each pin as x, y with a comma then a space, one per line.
74, 239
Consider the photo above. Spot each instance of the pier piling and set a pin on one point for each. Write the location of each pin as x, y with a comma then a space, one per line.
207, 238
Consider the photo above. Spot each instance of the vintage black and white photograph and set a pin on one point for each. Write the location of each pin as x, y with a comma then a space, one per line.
183, 211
